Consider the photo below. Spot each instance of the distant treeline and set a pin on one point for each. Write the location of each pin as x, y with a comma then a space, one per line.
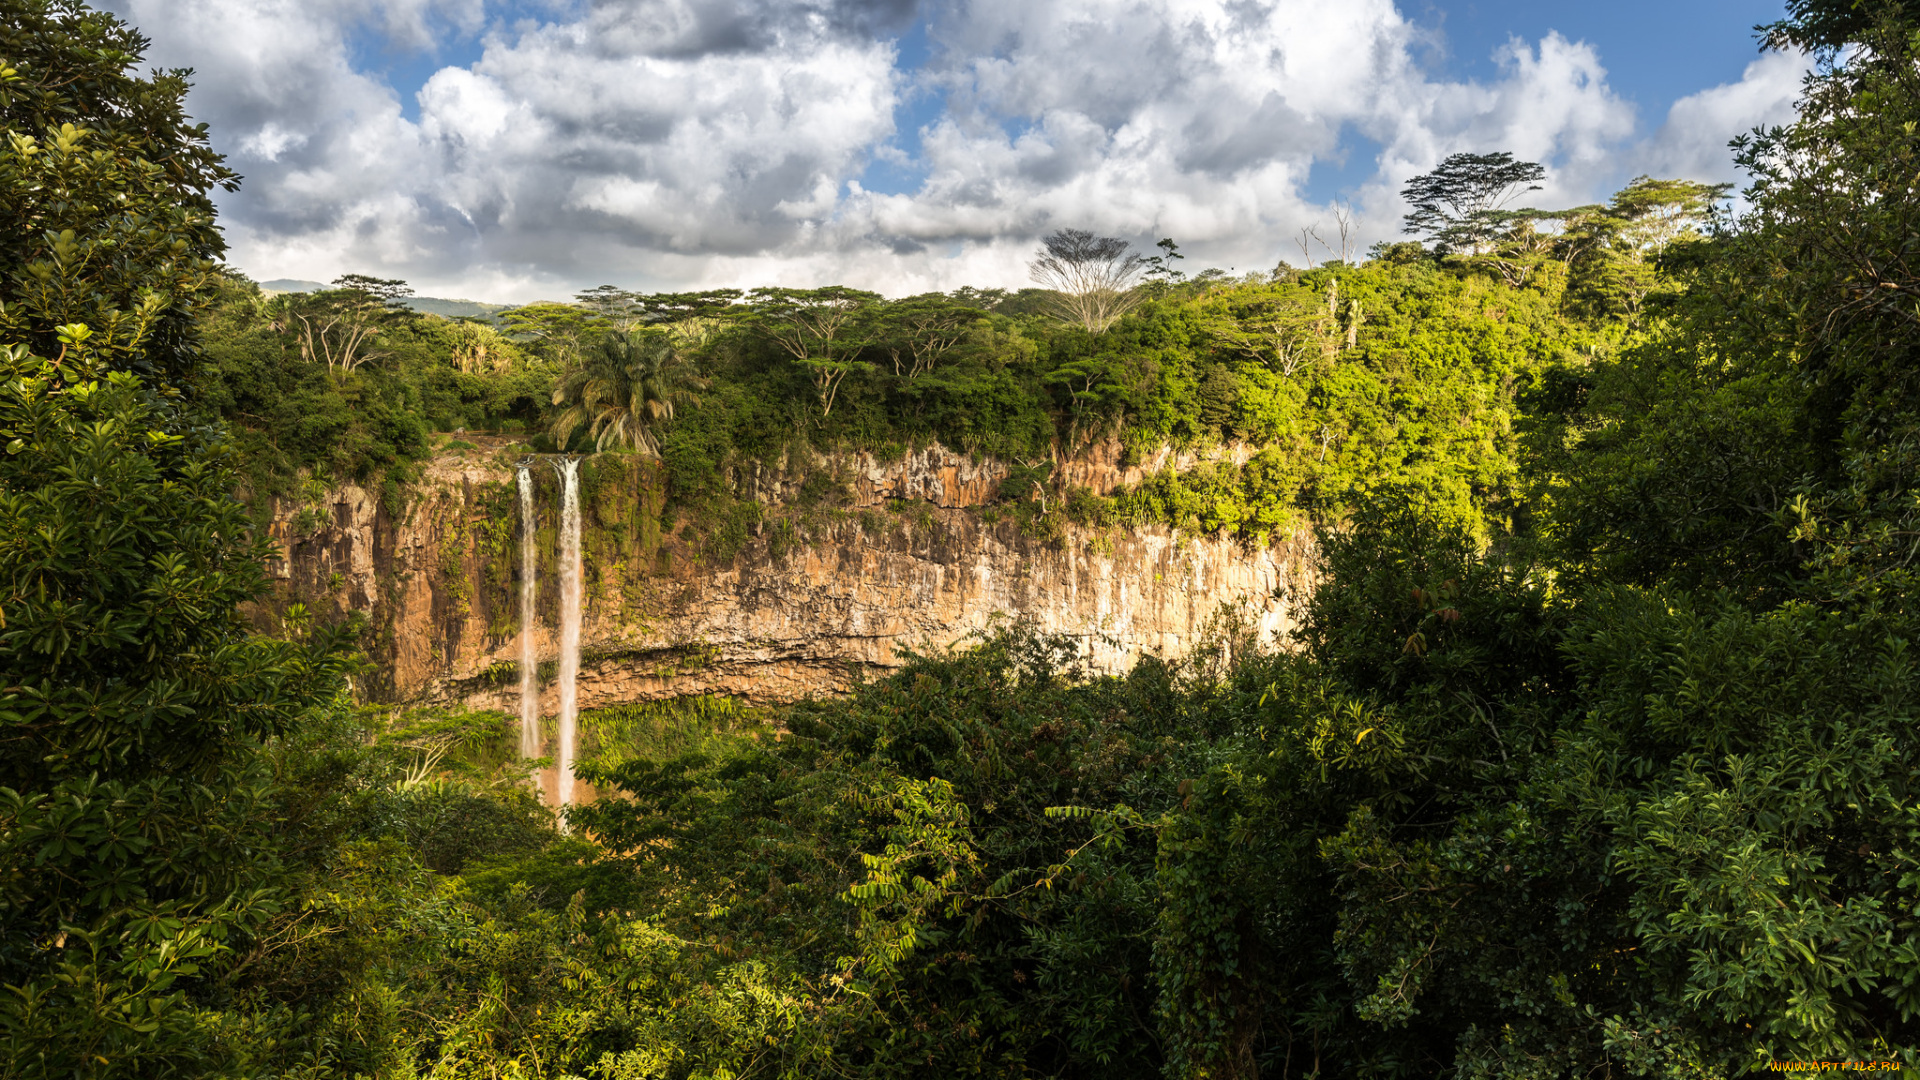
1402, 372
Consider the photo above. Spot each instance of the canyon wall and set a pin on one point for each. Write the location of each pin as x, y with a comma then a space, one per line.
838, 565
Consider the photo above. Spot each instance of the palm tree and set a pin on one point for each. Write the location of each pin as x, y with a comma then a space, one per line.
622, 388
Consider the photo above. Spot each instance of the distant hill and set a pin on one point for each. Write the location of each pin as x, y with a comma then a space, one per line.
432, 305
454, 309
280, 285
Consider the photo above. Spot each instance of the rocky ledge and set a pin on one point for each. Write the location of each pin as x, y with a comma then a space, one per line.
906, 559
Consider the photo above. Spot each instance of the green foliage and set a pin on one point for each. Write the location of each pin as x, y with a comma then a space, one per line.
386, 964
659, 730
920, 331
823, 330
1344, 380
1396, 374
1455, 204
291, 415
558, 333
1593, 752
627, 386
1656, 818
1613, 253
1421, 401
105, 184
893, 851
1616, 779
1828, 25
1276, 948
137, 846
137, 841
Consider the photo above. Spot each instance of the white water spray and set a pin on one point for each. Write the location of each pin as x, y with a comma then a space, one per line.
529, 660
570, 597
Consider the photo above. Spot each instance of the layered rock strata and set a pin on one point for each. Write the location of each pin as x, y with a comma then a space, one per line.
907, 555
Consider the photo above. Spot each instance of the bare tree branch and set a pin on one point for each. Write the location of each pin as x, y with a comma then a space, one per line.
1092, 276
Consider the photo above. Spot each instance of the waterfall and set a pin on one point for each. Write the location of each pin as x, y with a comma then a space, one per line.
529, 660
570, 597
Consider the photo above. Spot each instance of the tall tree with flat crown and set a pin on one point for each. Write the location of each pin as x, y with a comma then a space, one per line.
822, 329
1092, 278
1454, 204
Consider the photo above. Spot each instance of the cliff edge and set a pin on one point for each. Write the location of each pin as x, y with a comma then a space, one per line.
839, 564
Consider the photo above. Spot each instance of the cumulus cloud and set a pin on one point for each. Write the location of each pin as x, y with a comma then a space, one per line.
668, 143
1693, 141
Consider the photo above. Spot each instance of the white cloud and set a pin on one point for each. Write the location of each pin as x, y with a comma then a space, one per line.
1204, 119
667, 143
1693, 141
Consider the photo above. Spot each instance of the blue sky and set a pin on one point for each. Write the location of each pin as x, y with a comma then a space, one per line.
1655, 52
515, 148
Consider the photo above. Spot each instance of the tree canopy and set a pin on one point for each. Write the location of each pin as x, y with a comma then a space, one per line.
1092, 277
106, 217
138, 855
1453, 205
1594, 751
629, 385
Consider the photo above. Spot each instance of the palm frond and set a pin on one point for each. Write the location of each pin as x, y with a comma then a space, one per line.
628, 384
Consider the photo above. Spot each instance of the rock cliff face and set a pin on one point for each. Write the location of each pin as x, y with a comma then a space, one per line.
900, 555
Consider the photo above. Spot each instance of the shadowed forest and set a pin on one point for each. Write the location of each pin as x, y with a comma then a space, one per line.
1595, 754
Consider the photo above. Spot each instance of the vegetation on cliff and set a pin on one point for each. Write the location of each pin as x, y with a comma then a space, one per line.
1597, 752
1398, 373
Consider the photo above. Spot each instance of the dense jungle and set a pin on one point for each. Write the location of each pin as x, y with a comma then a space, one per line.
1594, 755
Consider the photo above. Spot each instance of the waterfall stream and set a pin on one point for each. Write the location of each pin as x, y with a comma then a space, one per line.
529, 659
570, 598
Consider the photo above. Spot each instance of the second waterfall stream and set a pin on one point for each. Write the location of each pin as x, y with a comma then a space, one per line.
571, 595
571, 589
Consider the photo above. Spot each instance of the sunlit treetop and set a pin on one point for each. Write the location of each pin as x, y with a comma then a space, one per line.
105, 214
